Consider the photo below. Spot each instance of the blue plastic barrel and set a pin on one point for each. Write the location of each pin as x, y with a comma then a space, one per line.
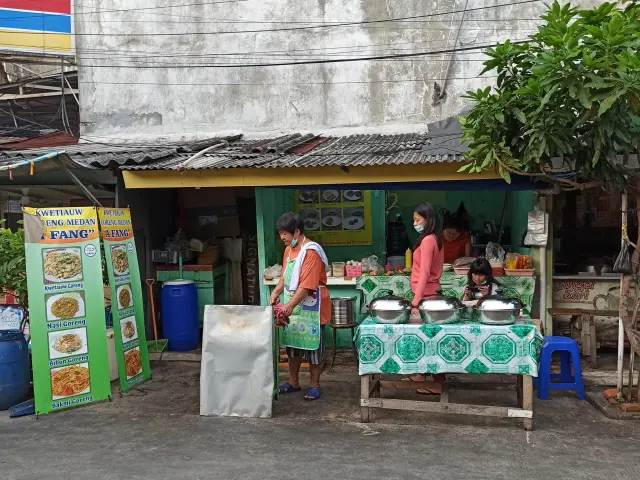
14, 368
180, 323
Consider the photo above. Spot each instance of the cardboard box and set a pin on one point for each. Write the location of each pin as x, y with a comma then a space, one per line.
210, 256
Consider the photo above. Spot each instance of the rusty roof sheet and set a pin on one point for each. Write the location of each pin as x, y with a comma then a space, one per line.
295, 150
309, 151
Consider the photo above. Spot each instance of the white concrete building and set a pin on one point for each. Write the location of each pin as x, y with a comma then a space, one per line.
178, 69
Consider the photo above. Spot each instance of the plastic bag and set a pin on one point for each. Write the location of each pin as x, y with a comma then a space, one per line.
272, 272
623, 262
537, 228
495, 254
371, 266
463, 261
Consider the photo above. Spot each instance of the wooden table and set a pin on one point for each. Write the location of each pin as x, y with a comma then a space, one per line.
370, 397
588, 338
464, 348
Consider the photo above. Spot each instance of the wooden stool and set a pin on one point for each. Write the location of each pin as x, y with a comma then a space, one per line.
335, 328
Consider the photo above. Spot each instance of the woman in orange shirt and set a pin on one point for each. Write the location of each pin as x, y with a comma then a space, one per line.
456, 240
307, 303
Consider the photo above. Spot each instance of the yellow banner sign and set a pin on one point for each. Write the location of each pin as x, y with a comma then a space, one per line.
115, 223
65, 225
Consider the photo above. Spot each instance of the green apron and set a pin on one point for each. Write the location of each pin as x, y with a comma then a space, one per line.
303, 330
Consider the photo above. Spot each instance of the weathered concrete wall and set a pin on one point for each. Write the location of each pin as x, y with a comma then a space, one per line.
124, 93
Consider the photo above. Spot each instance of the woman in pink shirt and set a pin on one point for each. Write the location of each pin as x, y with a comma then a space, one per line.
428, 261
428, 254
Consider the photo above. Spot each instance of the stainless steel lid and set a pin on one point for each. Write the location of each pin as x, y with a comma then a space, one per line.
390, 303
496, 303
439, 304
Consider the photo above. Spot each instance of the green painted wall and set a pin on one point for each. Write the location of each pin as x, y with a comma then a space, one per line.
482, 207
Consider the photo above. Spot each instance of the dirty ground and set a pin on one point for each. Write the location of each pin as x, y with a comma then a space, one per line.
156, 433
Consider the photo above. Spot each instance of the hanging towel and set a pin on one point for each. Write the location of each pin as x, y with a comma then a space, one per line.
297, 268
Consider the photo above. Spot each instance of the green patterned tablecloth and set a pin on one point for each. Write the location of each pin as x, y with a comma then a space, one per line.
468, 347
521, 288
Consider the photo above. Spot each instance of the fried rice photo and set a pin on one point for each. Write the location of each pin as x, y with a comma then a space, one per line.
65, 307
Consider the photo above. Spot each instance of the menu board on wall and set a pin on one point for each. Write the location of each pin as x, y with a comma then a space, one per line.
336, 217
66, 307
126, 293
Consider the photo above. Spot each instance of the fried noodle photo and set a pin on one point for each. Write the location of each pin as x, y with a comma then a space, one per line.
129, 329
132, 362
65, 307
62, 265
69, 381
124, 297
120, 261
68, 343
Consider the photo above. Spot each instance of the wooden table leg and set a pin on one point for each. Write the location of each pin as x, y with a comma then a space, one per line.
527, 399
376, 389
593, 342
519, 390
364, 395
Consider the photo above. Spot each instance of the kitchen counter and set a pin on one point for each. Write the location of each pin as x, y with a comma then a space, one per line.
604, 278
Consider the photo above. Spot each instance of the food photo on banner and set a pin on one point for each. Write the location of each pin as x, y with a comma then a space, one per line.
124, 279
66, 307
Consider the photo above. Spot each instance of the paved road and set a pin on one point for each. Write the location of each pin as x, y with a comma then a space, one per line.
156, 434
137, 446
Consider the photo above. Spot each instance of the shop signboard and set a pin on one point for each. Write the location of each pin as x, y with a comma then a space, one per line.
66, 307
126, 296
44, 27
336, 217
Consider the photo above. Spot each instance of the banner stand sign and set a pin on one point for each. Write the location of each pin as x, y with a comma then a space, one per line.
126, 296
66, 307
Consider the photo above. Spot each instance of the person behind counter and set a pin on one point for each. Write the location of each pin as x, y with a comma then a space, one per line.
480, 280
428, 262
307, 303
428, 255
456, 239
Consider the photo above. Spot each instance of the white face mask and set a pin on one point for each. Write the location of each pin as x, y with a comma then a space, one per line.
419, 228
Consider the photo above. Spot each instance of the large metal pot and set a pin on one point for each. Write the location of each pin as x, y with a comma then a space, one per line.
497, 310
342, 311
440, 310
390, 309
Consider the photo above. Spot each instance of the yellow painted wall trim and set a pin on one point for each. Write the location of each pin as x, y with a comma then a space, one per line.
275, 177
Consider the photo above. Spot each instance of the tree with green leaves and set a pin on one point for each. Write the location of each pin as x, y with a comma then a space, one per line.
565, 107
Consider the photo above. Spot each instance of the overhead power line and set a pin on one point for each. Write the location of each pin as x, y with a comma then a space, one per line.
309, 27
308, 62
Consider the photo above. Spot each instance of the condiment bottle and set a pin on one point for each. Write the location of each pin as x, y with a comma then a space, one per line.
408, 258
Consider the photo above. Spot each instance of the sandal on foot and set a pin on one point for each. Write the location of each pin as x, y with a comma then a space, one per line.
313, 393
288, 388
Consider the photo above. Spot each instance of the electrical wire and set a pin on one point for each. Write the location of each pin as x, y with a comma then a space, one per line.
305, 62
311, 27
77, 12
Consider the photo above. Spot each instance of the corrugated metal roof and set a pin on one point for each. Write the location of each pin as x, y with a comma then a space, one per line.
295, 150
310, 151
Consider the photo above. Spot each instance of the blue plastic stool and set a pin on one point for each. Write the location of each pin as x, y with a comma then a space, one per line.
569, 353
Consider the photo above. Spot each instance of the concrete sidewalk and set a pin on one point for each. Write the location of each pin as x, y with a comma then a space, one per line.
156, 433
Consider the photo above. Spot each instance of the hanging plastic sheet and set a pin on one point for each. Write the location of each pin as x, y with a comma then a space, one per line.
236, 376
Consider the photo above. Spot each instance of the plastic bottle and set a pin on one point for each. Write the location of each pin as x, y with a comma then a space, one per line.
408, 258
